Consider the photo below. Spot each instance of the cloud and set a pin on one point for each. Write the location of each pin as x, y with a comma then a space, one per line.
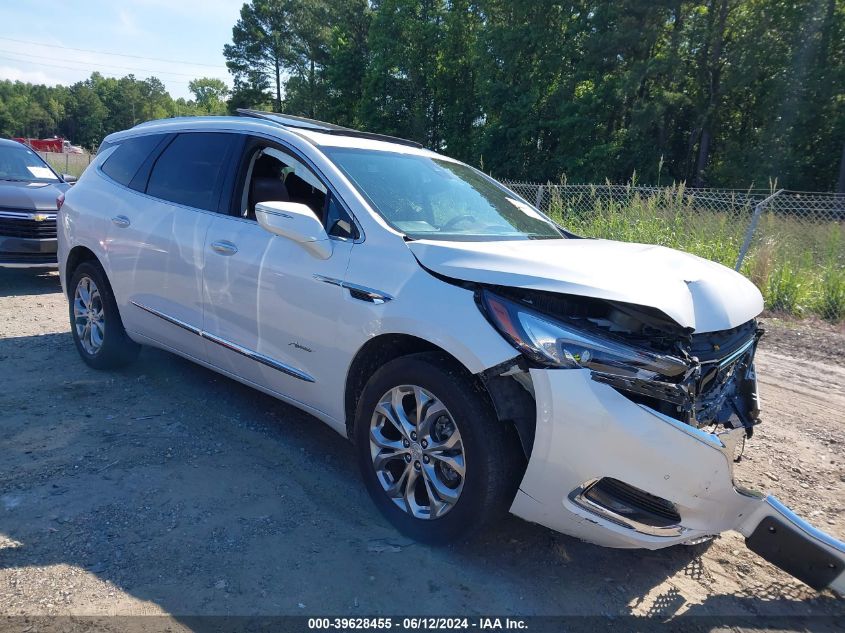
50, 65
29, 76
129, 25
174, 33
215, 9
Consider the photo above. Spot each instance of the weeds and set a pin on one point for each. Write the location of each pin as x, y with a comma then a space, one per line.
798, 264
785, 290
831, 300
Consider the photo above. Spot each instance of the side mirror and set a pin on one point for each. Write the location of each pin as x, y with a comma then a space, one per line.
296, 222
69, 179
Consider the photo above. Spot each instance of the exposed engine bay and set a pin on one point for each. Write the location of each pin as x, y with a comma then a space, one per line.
702, 379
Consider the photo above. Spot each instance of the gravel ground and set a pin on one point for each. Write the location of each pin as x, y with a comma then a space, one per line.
167, 489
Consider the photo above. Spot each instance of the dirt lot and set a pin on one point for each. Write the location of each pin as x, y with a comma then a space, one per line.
167, 489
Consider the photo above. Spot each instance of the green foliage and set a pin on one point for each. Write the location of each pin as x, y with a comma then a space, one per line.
283, 45
667, 217
88, 110
348, 52
261, 47
210, 94
831, 301
724, 93
786, 289
715, 92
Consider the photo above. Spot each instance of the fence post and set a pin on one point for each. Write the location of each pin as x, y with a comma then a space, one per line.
752, 227
67, 166
539, 198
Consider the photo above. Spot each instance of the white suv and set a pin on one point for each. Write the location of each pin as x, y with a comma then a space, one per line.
479, 357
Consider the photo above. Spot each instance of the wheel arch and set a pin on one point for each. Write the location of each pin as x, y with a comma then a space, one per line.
373, 354
77, 255
497, 389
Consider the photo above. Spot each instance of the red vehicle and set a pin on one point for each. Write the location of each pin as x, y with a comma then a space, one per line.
56, 144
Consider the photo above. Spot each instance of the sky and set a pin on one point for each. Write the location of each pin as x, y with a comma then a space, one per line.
61, 42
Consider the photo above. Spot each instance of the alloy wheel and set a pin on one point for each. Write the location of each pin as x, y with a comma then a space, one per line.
417, 452
88, 316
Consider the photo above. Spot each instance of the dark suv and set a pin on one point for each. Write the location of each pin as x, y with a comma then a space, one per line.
28, 191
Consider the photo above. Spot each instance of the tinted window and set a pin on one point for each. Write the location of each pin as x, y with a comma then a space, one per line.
338, 221
129, 156
190, 169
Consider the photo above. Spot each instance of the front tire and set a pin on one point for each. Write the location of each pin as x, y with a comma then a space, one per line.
95, 322
435, 459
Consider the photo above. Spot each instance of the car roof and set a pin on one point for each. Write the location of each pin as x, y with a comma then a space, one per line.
313, 125
317, 133
7, 142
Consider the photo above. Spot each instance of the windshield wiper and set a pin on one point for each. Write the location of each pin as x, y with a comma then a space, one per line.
16, 180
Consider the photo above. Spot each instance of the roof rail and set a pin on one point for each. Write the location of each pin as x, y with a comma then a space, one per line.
297, 122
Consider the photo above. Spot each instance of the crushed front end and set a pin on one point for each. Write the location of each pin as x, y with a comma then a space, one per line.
717, 389
638, 424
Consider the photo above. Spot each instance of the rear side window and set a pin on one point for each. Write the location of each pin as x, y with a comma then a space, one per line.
190, 170
129, 156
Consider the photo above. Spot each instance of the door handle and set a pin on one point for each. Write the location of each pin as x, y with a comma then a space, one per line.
121, 220
224, 247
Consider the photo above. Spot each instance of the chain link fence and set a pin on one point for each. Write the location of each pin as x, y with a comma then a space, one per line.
71, 164
791, 244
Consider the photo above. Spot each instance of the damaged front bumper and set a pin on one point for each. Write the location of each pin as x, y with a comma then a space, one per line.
618, 473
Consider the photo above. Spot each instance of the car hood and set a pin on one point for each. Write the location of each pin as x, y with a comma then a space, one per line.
30, 196
694, 292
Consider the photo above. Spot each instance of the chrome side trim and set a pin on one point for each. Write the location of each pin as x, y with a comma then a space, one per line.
169, 319
243, 351
40, 216
260, 358
577, 498
357, 291
329, 280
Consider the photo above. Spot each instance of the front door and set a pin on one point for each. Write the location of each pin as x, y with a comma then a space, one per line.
269, 317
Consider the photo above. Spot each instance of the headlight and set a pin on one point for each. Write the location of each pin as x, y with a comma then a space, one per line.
548, 342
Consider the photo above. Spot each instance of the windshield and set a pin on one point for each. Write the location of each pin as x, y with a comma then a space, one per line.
432, 198
21, 164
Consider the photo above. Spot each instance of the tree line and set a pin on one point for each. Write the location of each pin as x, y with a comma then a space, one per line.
714, 92
723, 93
88, 110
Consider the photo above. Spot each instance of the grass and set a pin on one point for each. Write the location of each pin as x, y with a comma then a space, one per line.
72, 164
798, 263
831, 297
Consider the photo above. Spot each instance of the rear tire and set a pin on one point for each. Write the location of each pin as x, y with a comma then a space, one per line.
95, 322
463, 463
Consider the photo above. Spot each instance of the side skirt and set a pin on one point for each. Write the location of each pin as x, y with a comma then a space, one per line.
339, 427
238, 349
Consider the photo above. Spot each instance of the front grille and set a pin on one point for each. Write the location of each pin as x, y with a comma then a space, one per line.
632, 503
710, 347
27, 258
27, 228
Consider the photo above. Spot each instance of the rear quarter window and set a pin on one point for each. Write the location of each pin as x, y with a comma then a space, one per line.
130, 154
191, 168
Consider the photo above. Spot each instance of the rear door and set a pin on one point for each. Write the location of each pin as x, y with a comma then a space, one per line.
156, 241
269, 318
